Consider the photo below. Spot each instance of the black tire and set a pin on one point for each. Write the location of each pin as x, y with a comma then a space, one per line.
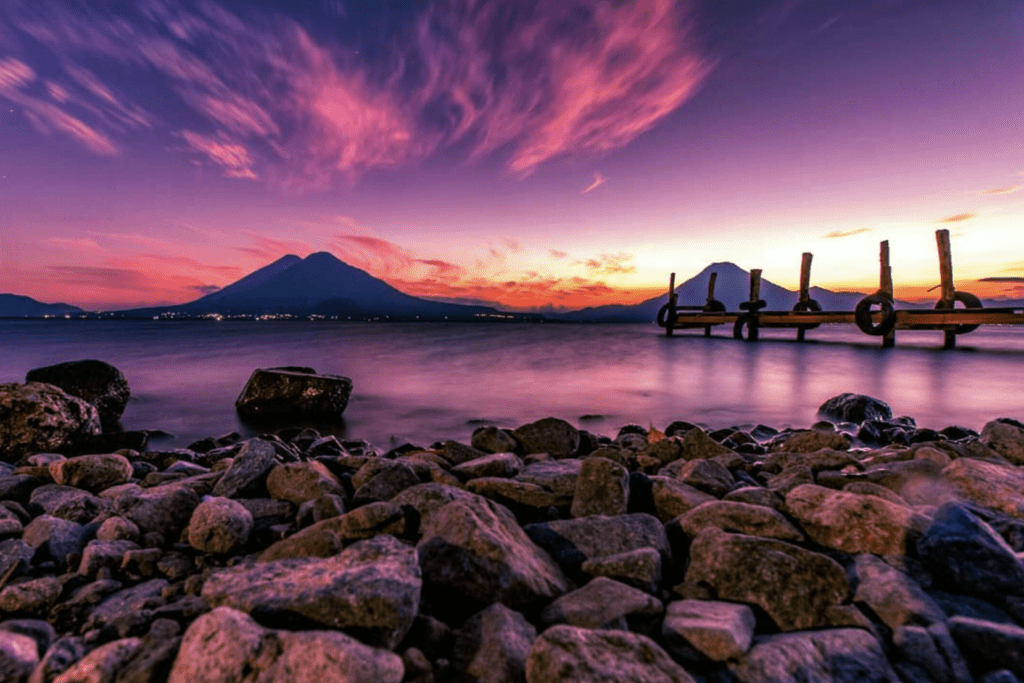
969, 301
753, 305
751, 322
663, 315
714, 306
863, 315
809, 305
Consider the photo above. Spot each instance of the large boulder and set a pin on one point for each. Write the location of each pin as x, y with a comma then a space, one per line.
370, 590
299, 393
893, 596
854, 408
601, 489
995, 486
1006, 439
796, 587
845, 655
94, 381
555, 437
37, 417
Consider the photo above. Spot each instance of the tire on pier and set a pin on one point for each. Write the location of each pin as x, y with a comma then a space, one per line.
751, 322
968, 300
714, 306
664, 316
863, 316
810, 305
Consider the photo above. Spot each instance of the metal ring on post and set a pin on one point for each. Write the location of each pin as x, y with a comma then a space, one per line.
863, 315
968, 300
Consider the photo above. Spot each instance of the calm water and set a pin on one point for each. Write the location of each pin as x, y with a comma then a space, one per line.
425, 382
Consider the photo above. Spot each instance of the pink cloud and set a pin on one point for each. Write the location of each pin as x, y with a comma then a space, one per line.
958, 218
1010, 189
232, 156
599, 180
268, 248
373, 253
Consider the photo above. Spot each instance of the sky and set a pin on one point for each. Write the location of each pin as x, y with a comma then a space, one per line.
533, 155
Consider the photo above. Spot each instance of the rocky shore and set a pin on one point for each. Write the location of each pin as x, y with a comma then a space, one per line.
860, 549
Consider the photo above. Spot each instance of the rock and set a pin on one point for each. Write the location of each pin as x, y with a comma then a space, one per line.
55, 539
92, 472
368, 521
301, 481
473, 553
809, 441
916, 646
568, 653
601, 489
856, 408
706, 475
118, 529
640, 568
35, 596
19, 655
104, 554
673, 497
93, 381
854, 523
385, 484
866, 488
550, 435
102, 664
557, 476
67, 502
157, 651
219, 526
61, 654
988, 645
892, 595
998, 487
493, 644
697, 445
427, 499
248, 471
743, 518
485, 439
845, 655
796, 587
964, 553
371, 590
572, 542
220, 646
664, 451
163, 509
1006, 439
789, 478
287, 393
15, 557
37, 417
818, 461
718, 630
512, 493
494, 465
605, 604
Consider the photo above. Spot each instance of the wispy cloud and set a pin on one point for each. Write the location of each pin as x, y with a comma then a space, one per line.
1009, 189
1002, 279
558, 254
838, 234
269, 248
373, 253
599, 180
610, 264
958, 218
72, 242
579, 78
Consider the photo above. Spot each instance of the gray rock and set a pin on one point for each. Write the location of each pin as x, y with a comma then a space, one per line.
163, 509
55, 539
486, 439
93, 381
301, 481
854, 523
569, 653
1006, 439
602, 488
572, 542
893, 596
966, 554
38, 418
493, 644
494, 465
605, 604
718, 630
989, 645
673, 498
371, 590
550, 435
473, 553
92, 472
844, 655
248, 471
796, 587
67, 502
640, 568
293, 393
219, 526
19, 655
743, 518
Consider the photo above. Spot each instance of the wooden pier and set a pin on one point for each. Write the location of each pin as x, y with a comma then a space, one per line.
875, 314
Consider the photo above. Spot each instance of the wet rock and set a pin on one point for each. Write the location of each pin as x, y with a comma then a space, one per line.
569, 653
55, 539
484, 440
605, 604
219, 526
19, 655
809, 441
719, 631
640, 568
371, 590
35, 596
163, 509
743, 518
67, 502
1006, 439
93, 381
966, 554
493, 644
494, 465
293, 393
673, 498
550, 435
789, 478
37, 417
697, 445
893, 596
92, 472
818, 461
855, 408
853, 523
302, 481
473, 553
988, 645
248, 471
601, 489
837, 656
572, 542
999, 487
795, 586
708, 476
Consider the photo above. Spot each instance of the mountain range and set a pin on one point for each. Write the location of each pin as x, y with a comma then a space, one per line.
17, 306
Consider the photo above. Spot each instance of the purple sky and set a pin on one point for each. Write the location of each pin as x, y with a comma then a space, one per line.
551, 153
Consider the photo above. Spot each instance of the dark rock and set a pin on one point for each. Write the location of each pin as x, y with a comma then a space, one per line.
855, 408
108, 442
557, 476
92, 472
719, 631
893, 596
602, 488
19, 655
34, 596
302, 481
37, 417
706, 475
605, 604
673, 498
572, 542
104, 554
492, 646
697, 445
1006, 439
152, 662
809, 441
640, 568
15, 557
550, 435
743, 518
837, 656
219, 526
384, 484
63, 653
485, 440
94, 381
163, 509
248, 471
990, 646
293, 393
56, 539
494, 465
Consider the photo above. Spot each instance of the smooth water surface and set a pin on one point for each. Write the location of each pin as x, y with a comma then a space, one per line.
423, 382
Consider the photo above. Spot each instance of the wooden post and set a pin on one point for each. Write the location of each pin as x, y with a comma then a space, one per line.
711, 286
755, 284
672, 299
885, 287
805, 277
948, 295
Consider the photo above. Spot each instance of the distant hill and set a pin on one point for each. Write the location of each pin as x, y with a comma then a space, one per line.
17, 306
318, 284
731, 288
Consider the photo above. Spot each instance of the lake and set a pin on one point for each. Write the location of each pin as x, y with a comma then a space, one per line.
423, 382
